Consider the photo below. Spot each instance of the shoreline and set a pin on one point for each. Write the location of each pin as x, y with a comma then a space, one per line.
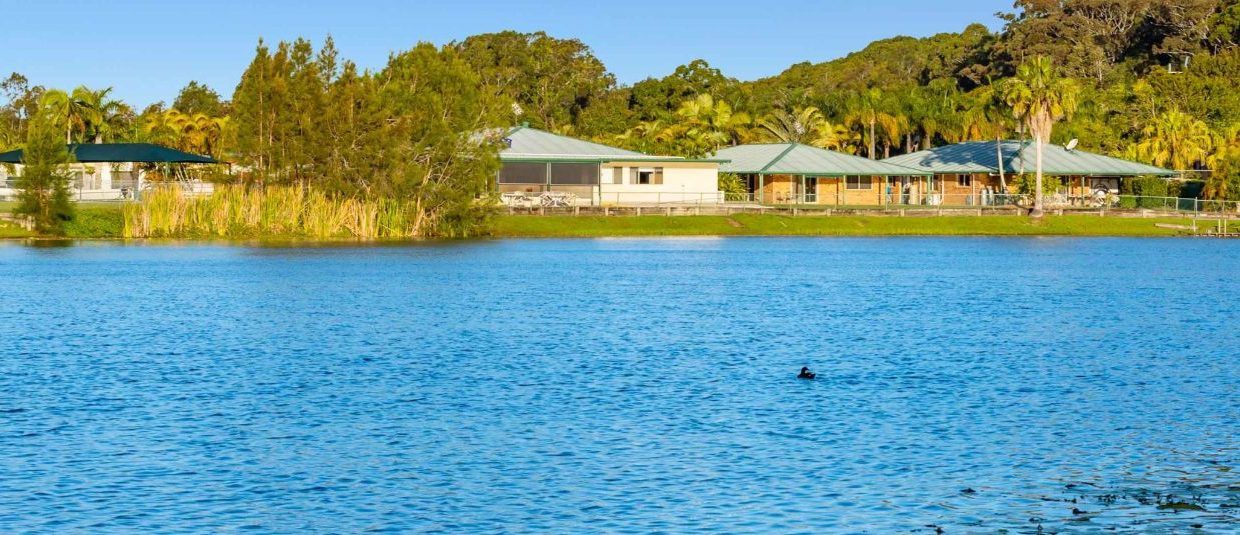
738, 225
772, 225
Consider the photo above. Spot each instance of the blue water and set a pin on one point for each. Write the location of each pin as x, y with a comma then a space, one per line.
626, 386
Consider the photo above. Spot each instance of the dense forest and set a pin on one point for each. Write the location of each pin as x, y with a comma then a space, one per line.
1151, 81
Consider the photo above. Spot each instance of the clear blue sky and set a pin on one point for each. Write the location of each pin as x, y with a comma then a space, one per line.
148, 50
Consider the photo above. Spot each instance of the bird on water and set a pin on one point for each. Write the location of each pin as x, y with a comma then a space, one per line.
806, 374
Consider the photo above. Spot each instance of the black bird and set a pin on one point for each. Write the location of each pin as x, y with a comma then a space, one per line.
806, 374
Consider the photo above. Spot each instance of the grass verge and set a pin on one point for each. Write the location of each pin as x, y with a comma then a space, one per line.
9, 230
778, 225
105, 220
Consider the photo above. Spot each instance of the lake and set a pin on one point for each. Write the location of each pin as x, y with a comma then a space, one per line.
626, 386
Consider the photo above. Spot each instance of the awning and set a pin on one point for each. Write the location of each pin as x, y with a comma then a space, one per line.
120, 153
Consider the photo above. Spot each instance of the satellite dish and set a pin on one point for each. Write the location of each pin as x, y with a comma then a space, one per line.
1072, 144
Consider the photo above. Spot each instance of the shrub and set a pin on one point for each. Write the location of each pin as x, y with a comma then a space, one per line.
732, 187
95, 222
1146, 189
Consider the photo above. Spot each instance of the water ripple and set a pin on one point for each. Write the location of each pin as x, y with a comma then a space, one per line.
627, 386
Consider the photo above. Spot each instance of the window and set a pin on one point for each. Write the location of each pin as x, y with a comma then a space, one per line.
617, 175
964, 181
647, 176
859, 182
574, 174
523, 173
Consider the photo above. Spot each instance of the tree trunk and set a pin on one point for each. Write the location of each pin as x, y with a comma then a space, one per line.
999, 158
872, 150
1037, 192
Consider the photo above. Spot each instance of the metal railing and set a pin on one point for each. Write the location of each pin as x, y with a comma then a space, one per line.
872, 201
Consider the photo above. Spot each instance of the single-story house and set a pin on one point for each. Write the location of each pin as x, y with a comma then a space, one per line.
106, 171
969, 173
794, 173
576, 172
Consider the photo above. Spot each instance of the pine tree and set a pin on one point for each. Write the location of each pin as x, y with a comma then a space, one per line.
44, 184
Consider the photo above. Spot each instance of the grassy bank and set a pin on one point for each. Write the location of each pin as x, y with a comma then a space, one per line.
8, 230
106, 220
91, 220
777, 225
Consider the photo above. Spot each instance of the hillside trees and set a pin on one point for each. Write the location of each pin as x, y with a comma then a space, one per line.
545, 81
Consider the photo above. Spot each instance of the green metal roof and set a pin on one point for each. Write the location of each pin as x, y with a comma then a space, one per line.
530, 144
798, 159
120, 153
1018, 157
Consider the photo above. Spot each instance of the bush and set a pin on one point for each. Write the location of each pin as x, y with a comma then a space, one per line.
1027, 183
732, 187
1144, 188
95, 222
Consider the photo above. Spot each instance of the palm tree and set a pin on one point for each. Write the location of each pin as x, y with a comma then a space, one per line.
892, 126
1176, 139
714, 121
104, 117
931, 112
992, 117
89, 113
640, 135
1038, 97
804, 125
65, 111
197, 133
869, 115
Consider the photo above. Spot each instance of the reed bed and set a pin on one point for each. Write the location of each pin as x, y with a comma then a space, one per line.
284, 211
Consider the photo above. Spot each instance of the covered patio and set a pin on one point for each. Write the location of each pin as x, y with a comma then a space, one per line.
985, 172
112, 171
545, 169
798, 174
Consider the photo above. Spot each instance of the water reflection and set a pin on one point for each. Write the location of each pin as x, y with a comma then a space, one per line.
965, 385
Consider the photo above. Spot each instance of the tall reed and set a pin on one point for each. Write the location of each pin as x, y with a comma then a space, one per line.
278, 211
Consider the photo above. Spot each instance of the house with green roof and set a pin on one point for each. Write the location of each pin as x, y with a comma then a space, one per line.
535, 162
982, 172
794, 173
107, 171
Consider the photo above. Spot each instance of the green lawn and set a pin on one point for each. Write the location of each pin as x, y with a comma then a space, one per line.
103, 220
8, 230
8, 206
92, 220
779, 225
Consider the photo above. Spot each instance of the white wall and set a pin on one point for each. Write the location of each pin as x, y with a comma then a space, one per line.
109, 186
682, 183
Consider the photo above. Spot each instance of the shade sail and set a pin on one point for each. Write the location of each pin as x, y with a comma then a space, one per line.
121, 153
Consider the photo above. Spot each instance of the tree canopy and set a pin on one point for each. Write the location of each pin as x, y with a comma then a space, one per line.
1154, 81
